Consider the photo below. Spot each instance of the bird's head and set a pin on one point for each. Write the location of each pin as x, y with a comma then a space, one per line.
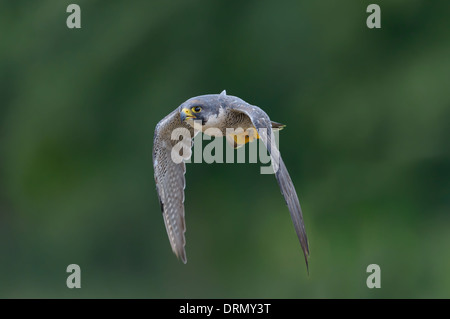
202, 108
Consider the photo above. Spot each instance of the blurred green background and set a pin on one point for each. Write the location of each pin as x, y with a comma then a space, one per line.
366, 143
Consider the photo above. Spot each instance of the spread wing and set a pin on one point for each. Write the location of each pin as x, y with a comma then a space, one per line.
169, 173
262, 123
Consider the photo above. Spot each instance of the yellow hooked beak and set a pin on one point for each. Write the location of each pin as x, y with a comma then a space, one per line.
186, 114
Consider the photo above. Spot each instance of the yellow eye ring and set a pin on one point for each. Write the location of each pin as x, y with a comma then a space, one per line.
196, 109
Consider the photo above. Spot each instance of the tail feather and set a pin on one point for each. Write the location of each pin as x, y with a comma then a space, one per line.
277, 126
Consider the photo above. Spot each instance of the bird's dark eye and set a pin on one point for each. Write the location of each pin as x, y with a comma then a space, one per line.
196, 109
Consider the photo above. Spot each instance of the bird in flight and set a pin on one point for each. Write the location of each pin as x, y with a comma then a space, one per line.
223, 112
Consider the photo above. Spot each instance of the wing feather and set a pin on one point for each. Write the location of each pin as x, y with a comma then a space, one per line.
170, 180
262, 123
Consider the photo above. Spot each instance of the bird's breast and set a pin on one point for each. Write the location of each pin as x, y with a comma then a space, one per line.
216, 123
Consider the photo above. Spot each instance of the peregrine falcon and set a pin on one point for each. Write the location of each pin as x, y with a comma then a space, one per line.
221, 111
